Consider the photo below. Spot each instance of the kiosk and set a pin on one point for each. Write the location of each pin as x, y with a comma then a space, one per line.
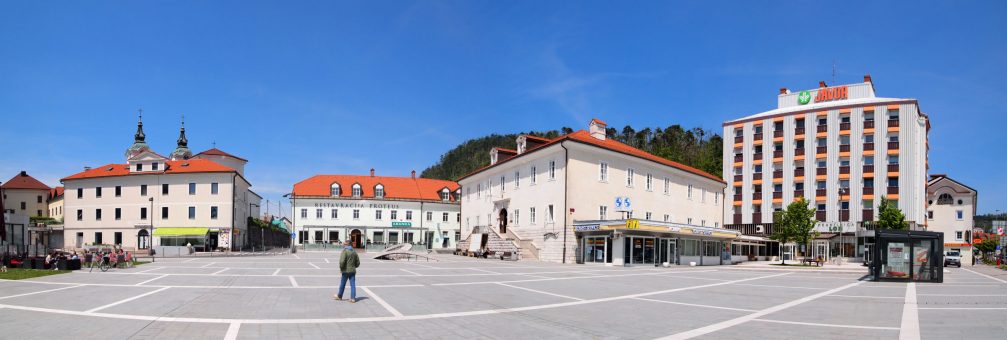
902, 255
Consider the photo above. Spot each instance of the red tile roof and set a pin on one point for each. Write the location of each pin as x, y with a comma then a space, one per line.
172, 167
599, 121
23, 181
55, 192
219, 152
405, 188
582, 136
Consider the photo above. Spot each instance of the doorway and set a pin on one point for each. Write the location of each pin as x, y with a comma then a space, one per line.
212, 241
430, 239
503, 222
142, 239
355, 238
80, 240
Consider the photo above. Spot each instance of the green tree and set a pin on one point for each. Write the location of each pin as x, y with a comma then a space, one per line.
796, 223
890, 217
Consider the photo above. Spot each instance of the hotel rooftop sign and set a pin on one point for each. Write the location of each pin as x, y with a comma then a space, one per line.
824, 95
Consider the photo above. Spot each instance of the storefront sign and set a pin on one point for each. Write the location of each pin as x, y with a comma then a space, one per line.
804, 97
632, 224
836, 227
355, 205
402, 224
591, 227
832, 93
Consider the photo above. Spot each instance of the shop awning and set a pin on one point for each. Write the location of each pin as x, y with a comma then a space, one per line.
181, 231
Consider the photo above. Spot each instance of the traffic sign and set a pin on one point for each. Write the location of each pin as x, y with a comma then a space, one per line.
623, 204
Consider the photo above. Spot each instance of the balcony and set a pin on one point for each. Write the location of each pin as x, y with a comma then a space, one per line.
868, 124
820, 192
757, 195
845, 170
868, 215
777, 133
777, 194
757, 218
868, 146
893, 123
798, 193
799, 152
757, 156
844, 126
739, 139
893, 145
777, 173
868, 190
844, 148
737, 197
739, 158
893, 168
738, 178
820, 216
757, 176
844, 215
778, 154
821, 149
799, 172
821, 171
893, 190
757, 136
868, 168
799, 131
737, 218
822, 128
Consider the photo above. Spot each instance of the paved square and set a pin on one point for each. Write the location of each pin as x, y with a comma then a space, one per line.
290, 296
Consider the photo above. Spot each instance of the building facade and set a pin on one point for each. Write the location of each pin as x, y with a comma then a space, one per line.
157, 201
376, 211
22, 197
552, 197
951, 210
842, 148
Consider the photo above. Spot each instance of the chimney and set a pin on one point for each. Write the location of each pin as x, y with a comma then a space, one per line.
86, 168
867, 78
372, 172
597, 128
822, 84
413, 174
784, 90
23, 173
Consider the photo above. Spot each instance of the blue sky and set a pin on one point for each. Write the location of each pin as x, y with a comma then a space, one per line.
302, 88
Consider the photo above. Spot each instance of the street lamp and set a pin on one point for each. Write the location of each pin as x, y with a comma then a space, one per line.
150, 237
842, 236
293, 222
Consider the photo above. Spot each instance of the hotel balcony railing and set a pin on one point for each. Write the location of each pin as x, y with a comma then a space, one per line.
893, 190
868, 146
737, 197
798, 193
868, 190
737, 218
777, 194
820, 216
757, 155
868, 124
757, 136
799, 172
868, 168
778, 154
756, 176
893, 123
893, 145
777, 133
844, 215
820, 192
844, 170
821, 171
757, 195
844, 148
893, 167
821, 149
757, 218
799, 131
739, 139
778, 174
739, 157
799, 152
868, 215
822, 128
844, 126
738, 178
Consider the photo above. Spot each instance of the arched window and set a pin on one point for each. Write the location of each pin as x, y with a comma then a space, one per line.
445, 195
945, 199
357, 192
334, 190
379, 191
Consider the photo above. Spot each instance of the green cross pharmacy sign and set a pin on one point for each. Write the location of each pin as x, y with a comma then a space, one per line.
804, 97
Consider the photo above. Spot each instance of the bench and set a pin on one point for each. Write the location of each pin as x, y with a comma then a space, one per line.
818, 262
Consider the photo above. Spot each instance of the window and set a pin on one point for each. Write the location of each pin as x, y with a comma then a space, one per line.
356, 214
822, 121
945, 199
629, 214
667, 218
213, 213
318, 213
603, 212
357, 192
334, 214
758, 168
531, 215
702, 196
667, 186
164, 189
930, 214
304, 213
334, 190
893, 160
688, 220
821, 207
958, 235
503, 184
893, 138
192, 213
550, 216
143, 190
409, 215
164, 213
893, 181
395, 215
97, 237
716, 198
377, 215
80, 193
80, 215
97, 192
629, 177
650, 182
118, 214
603, 172
868, 182
139, 167
192, 188
444, 217
479, 190
118, 193
517, 179
534, 175
143, 213
552, 170
844, 183
153, 166
379, 191
430, 216
868, 160
868, 116
893, 114
959, 215
445, 195
24, 205
647, 216
97, 214
820, 185
869, 139
690, 191
214, 188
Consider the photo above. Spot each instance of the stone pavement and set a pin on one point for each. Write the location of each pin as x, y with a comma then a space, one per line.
290, 296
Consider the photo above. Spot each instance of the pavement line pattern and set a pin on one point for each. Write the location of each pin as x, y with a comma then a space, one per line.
826, 324
910, 329
147, 270
277, 271
963, 308
208, 264
541, 292
313, 265
742, 319
92, 310
189, 260
411, 272
984, 275
382, 302
696, 305
327, 260
867, 296
779, 286
232, 331
485, 271
220, 271
562, 278
297, 257
292, 281
39, 292
148, 281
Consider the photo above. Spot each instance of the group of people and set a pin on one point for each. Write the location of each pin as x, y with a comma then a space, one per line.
54, 256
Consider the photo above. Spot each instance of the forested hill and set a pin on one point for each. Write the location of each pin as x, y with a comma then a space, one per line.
694, 147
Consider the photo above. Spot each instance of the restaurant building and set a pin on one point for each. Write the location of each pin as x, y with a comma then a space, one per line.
569, 199
951, 211
162, 202
840, 147
375, 211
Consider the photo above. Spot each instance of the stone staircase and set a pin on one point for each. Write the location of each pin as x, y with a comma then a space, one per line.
528, 250
494, 242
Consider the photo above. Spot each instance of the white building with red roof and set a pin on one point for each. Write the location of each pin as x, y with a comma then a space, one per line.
375, 211
157, 201
586, 198
21, 197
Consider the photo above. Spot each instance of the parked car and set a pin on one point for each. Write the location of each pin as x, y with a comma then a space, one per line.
953, 258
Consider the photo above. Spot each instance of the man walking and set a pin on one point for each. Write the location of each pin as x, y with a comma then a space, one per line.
348, 263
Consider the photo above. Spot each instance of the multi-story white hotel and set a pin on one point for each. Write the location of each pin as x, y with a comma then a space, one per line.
375, 210
952, 210
203, 200
586, 198
840, 147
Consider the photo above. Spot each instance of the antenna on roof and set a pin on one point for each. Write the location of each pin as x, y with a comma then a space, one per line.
833, 71
214, 144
